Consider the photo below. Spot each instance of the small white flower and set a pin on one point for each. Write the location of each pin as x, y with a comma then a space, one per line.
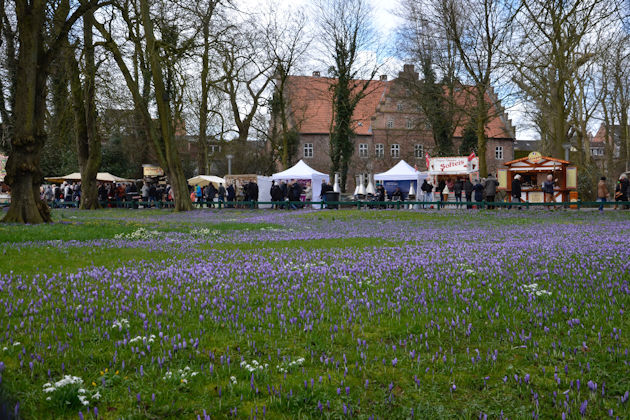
233, 380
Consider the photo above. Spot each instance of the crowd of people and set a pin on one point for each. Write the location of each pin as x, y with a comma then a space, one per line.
292, 192
211, 195
622, 191
482, 190
68, 194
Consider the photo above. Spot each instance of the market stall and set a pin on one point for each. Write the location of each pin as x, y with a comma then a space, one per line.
533, 170
306, 175
263, 182
403, 176
445, 168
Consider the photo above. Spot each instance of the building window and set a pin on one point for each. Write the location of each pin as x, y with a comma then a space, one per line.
498, 152
380, 150
409, 124
363, 150
395, 150
399, 107
427, 125
596, 151
390, 124
418, 150
308, 150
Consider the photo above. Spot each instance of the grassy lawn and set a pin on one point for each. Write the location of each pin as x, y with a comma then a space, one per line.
328, 314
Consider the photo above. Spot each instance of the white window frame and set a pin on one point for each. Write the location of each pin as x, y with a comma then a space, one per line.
363, 150
418, 150
394, 150
308, 150
379, 150
390, 123
498, 152
399, 107
409, 124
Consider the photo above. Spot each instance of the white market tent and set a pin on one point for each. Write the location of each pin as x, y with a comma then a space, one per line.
402, 171
302, 171
100, 176
203, 180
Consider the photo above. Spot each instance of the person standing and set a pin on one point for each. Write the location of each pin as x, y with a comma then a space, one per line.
516, 190
602, 192
221, 193
457, 190
490, 189
253, 191
427, 191
478, 189
468, 191
547, 188
231, 194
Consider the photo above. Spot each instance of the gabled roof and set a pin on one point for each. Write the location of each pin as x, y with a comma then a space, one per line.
300, 171
311, 106
311, 103
545, 158
399, 172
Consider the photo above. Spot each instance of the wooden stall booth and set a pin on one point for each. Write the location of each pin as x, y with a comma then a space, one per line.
534, 170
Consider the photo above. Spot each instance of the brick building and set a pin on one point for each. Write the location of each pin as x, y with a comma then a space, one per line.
388, 124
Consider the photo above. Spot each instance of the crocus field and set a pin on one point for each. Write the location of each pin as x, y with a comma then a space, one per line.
148, 314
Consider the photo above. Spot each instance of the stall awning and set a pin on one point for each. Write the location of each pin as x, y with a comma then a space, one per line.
203, 180
76, 176
402, 171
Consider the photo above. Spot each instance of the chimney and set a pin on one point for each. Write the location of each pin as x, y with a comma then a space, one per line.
408, 68
316, 74
383, 78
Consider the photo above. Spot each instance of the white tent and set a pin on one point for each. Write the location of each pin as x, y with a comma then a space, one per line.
302, 171
203, 180
402, 171
101, 176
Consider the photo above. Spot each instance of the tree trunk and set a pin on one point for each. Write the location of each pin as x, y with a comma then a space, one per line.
23, 170
174, 164
87, 142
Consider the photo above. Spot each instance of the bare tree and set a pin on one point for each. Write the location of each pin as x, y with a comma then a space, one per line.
88, 141
480, 30
247, 71
345, 33
558, 39
163, 136
36, 53
287, 42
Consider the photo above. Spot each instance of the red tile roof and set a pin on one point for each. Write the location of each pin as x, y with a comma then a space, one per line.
311, 98
311, 103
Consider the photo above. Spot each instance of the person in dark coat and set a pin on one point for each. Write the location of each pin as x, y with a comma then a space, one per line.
397, 195
458, 186
440, 188
253, 192
516, 190
231, 194
478, 191
294, 194
468, 190
285, 190
276, 194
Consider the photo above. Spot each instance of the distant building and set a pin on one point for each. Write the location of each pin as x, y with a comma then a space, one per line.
388, 123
